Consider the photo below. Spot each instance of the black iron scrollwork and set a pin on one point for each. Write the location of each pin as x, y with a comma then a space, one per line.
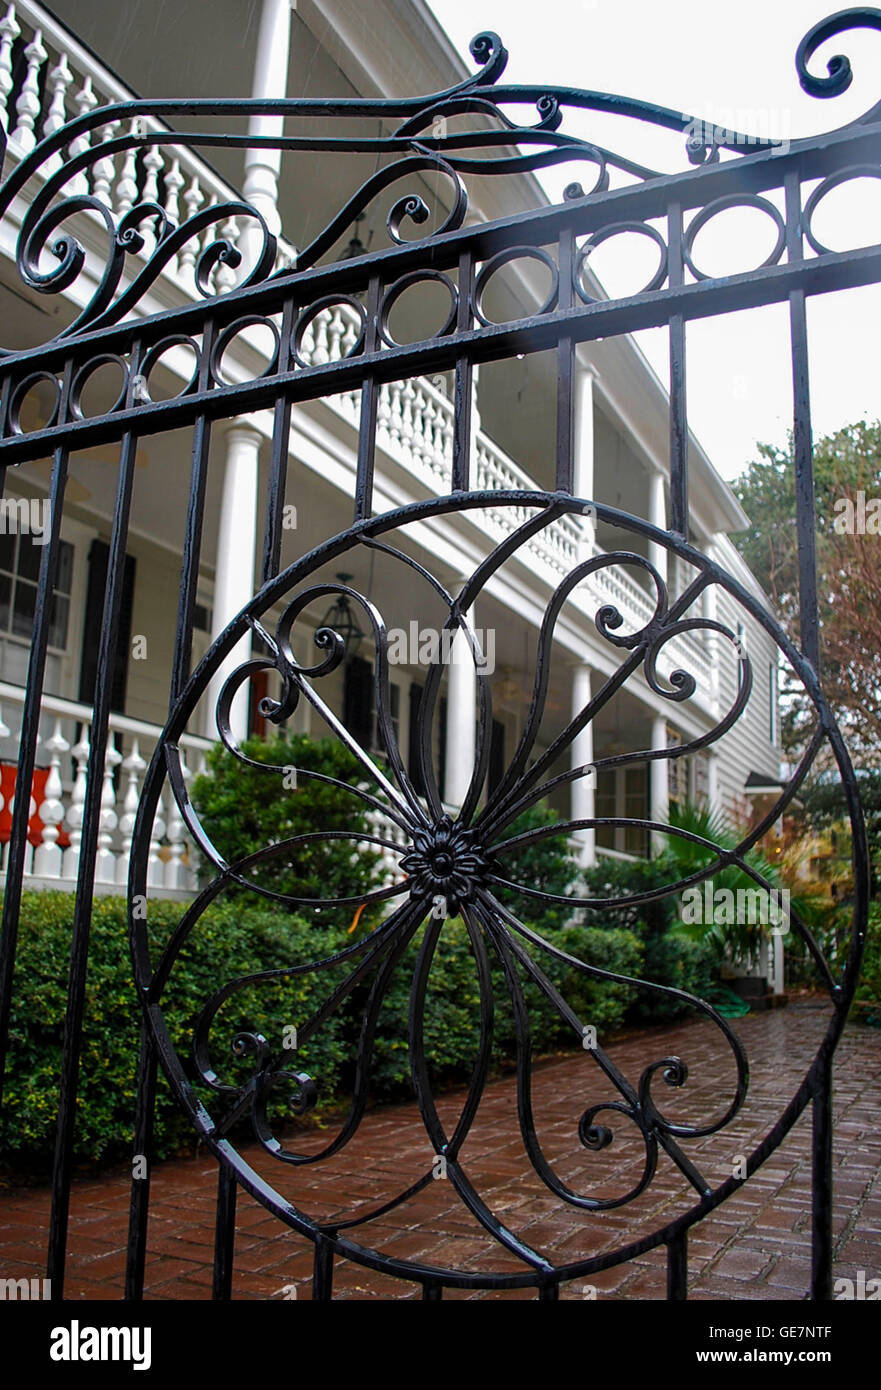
51, 258
456, 861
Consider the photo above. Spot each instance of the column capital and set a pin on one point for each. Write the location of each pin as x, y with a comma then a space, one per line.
244, 425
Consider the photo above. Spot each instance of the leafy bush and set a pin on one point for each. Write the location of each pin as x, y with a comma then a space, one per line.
669, 957
548, 865
229, 941
869, 988
245, 809
452, 1006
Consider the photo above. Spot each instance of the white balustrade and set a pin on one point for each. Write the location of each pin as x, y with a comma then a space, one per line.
9, 32
63, 749
47, 77
134, 767
27, 107
47, 858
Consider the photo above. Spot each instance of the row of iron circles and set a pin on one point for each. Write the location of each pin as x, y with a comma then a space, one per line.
720, 205
46, 388
551, 297
39, 394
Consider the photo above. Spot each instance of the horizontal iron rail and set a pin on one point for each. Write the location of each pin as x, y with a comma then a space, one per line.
605, 318
694, 188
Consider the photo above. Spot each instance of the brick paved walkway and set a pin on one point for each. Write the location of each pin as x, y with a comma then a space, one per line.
757, 1245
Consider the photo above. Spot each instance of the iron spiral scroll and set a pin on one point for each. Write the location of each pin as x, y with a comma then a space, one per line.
141, 243
460, 859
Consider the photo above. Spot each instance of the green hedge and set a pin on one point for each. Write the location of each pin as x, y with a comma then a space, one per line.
227, 943
869, 988
452, 1006
235, 939
670, 958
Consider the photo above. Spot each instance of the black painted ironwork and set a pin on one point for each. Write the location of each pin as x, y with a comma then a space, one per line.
455, 861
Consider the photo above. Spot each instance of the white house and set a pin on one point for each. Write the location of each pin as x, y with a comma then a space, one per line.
56, 64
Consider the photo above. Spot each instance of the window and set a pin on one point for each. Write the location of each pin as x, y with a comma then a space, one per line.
701, 779
19, 572
604, 805
636, 808
677, 771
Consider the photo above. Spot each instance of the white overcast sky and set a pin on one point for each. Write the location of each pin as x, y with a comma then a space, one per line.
729, 64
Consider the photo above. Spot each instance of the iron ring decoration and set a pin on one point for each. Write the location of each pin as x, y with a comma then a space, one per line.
86, 371
158, 350
841, 176
311, 312
19, 393
733, 200
231, 331
499, 935
394, 292
615, 229
514, 253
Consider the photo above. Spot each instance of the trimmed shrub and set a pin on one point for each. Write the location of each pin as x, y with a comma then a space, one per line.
550, 866
245, 809
869, 988
670, 957
229, 941
452, 1005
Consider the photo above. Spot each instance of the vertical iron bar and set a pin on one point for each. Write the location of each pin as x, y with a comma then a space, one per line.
30, 725
432, 1293
565, 369
322, 1274
139, 1205
677, 1267
464, 386
82, 911
224, 1234
369, 402
278, 463
802, 441
678, 410
821, 1187
192, 550
139, 1202
549, 1293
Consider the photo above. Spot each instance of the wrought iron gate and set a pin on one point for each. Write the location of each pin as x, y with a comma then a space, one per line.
460, 859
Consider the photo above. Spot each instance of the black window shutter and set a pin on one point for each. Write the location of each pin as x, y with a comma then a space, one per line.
96, 589
413, 738
496, 755
358, 701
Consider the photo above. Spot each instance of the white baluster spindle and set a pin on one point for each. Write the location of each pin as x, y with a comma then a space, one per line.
48, 857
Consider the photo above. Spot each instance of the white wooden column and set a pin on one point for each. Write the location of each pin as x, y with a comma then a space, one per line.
236, 550
658, 517
263, 165
582, 802
660, 786
461, 725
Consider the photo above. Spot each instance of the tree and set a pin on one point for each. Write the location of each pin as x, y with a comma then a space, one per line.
847, 480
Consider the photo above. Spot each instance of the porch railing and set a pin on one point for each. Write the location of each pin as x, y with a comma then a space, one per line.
46, 78
58, 793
